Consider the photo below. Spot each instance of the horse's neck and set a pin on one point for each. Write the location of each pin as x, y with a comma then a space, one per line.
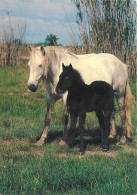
53, 74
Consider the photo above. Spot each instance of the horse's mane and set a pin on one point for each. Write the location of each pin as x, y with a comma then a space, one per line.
55, 54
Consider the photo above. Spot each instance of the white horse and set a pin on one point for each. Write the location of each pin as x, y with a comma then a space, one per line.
46, 63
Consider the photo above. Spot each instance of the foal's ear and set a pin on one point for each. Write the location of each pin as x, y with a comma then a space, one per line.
63, 66
42, 49
70, 66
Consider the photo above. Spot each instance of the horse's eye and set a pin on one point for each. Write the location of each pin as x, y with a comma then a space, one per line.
40, 65
66, 77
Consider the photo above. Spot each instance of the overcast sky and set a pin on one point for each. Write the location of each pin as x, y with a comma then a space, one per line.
42, 17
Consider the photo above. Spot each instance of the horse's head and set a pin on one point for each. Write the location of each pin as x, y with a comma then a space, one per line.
65, 79
37, 67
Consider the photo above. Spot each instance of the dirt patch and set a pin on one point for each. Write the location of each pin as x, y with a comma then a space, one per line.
37, 152
11, 93
40, 151
128, 148
110, 153
32, 151
61, 154
27, 93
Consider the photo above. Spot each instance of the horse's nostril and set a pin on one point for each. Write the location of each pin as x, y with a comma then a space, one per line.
32, 87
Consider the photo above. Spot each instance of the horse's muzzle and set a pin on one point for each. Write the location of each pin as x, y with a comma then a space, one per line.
32, 87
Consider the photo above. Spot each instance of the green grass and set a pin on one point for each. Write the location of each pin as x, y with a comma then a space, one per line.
26, 168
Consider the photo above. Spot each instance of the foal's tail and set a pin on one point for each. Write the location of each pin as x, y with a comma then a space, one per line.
129, 100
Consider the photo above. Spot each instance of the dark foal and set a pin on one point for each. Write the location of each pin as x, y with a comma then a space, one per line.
82, 98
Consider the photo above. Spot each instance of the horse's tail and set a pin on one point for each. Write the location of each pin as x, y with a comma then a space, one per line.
129, 100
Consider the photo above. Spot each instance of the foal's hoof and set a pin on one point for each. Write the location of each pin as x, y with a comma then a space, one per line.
130, 139
81, 153
105, 150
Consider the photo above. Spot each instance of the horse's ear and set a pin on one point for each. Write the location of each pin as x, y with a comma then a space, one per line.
30, 48
42, 49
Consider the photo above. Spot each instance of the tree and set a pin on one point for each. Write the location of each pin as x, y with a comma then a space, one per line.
108, 26
51, 40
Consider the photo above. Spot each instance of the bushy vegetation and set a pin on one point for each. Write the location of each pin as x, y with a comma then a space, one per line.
26, 168
108, 27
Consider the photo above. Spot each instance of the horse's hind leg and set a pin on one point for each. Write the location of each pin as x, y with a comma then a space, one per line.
129, 99
121, 104
112, 134
50, 106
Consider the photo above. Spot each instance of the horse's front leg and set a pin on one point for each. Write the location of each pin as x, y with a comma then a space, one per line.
64, 120
50, 106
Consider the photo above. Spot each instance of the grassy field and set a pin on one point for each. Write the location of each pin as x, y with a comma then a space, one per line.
26, 168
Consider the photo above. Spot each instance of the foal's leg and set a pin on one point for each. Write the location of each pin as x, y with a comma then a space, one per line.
121, 104
104, 132
82, 117
50, 106
64, 119
107, 116
73, 117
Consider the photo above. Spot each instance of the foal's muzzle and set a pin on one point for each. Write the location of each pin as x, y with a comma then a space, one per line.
59, 91
32, 87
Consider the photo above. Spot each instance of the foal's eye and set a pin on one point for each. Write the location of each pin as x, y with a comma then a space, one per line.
66, 77
40, 65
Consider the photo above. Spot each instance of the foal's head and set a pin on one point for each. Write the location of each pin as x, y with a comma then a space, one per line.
65, 79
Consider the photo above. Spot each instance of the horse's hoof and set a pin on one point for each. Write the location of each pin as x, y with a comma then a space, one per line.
62, 142
123, 140
39, 143
122, 143
111, 137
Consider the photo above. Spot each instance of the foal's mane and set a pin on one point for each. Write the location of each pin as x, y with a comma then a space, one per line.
78, 77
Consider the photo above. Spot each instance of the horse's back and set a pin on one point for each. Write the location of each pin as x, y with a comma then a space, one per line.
103, 66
